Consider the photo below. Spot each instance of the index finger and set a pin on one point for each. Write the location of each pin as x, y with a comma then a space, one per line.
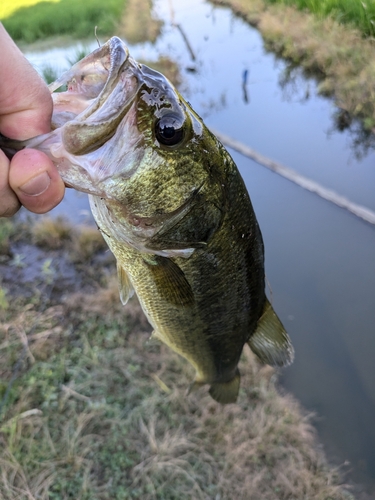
25, 100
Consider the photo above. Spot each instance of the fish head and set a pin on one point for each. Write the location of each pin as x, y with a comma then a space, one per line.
122, 133
116, 117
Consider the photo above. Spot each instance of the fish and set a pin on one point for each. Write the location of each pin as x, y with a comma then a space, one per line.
174, 210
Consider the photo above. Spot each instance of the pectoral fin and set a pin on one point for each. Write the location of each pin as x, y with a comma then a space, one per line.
170, 280
125, 287
270, 342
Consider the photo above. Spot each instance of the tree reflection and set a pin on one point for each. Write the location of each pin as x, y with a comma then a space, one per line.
300, 85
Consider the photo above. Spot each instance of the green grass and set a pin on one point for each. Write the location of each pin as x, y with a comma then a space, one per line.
360, 14
66, 17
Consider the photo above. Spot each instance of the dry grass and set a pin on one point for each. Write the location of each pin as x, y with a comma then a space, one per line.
87, 241
6, 230
51, 233
91, 409
138, 23
359, 14
82, 242
342, 59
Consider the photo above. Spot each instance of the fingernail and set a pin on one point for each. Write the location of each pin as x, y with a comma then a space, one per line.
37, 185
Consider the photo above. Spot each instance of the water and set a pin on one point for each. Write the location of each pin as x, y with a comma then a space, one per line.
319, 259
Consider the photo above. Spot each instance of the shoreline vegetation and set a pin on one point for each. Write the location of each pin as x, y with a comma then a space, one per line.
91, 409
37, 21
355, 14
338, 55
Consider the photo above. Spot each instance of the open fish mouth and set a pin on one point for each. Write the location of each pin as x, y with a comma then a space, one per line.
100, 91
97, 133
94, 132
93, 76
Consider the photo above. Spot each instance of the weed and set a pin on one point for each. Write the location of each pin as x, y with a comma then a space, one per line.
48, 273
87, 242
6, 231
51, 233
49, 73
18, 261
4, 304
80, 53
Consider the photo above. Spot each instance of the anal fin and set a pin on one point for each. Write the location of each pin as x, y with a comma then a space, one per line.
155, 336
270, 341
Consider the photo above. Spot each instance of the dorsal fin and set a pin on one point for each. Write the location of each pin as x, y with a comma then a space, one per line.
270, 341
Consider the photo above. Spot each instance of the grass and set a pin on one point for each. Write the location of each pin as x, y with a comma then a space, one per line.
91, 409
359, 14
138, 23
6, 231
51, 233
64, 17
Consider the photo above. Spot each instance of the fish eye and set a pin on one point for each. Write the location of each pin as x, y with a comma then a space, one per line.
169, 129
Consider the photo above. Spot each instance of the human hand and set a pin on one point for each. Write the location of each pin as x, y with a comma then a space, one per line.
30, 178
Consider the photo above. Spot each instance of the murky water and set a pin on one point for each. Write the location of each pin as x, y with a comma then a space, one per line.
320, 260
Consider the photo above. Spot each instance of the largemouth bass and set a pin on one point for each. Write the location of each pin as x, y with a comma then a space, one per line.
173, 209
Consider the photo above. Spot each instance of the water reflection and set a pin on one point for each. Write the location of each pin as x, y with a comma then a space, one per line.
245, 93
295, 83
362, 139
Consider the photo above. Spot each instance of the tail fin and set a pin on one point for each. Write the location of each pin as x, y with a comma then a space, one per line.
270, 342
226, 392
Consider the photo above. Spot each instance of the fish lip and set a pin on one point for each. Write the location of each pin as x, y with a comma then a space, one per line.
101, 91
114, 46
113, 57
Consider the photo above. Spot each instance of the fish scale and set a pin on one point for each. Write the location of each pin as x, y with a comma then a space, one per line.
174, 210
